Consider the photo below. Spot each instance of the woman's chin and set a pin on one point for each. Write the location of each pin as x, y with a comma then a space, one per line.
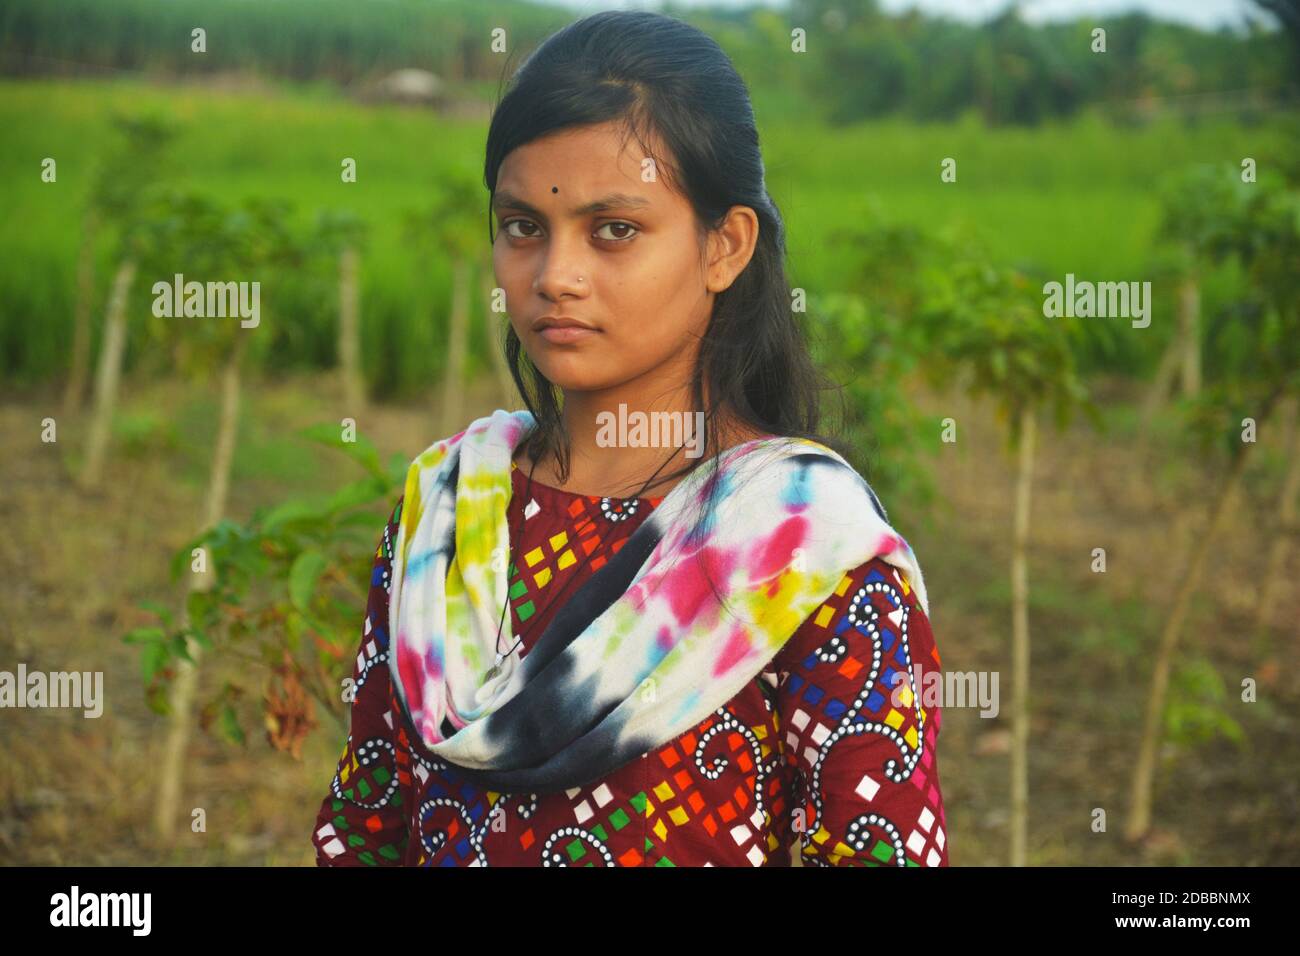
574, 374
569, 382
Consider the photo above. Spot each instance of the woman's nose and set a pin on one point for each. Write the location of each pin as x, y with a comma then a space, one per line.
561, 274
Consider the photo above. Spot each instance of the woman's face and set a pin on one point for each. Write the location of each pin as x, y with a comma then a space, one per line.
575, 204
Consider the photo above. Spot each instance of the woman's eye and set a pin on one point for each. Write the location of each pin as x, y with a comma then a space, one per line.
619, 225
518, 222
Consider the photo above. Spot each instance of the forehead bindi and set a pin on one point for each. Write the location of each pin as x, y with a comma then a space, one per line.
550, 173
570, 203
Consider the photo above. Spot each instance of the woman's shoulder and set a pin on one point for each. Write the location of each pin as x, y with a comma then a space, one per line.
873, 597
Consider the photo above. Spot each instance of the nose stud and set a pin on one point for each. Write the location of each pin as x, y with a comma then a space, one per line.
580, 279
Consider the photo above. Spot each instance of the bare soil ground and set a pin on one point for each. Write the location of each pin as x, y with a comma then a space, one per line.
73, 568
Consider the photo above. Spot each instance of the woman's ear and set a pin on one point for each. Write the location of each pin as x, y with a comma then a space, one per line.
731, 246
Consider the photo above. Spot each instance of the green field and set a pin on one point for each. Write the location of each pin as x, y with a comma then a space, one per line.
1077, 197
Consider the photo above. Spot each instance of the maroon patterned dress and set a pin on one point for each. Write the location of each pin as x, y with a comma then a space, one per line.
826, 748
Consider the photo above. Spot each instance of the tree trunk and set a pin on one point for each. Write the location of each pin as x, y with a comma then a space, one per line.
1155, 398
1189, 333
496, 322
453, 383
354, 390
108, 373
184, 690
1020, 643
1287, 525
1139, 822
75, 388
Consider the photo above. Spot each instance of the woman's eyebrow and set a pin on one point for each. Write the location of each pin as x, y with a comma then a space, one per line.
604, 203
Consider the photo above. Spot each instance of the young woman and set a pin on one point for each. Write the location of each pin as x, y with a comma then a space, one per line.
590, 643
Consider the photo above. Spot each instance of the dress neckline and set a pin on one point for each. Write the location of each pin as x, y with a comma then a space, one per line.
548, 494
559, 498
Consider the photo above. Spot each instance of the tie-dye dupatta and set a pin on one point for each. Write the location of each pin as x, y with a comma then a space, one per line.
643, 650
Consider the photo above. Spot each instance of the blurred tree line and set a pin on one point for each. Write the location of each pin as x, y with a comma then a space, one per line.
1013, 72
860, 62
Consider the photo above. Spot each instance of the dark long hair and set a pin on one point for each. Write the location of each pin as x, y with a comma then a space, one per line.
665, 79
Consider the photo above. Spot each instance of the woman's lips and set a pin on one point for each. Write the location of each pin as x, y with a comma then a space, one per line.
566, 334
